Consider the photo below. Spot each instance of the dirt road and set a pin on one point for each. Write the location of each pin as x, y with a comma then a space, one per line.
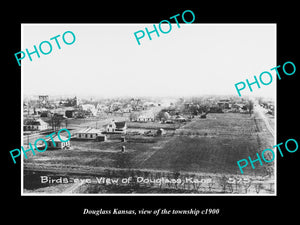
261, 113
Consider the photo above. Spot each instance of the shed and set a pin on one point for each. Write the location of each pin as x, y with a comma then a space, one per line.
160, 132
70, 113
101, 138
123, 148
57, 144
179, 118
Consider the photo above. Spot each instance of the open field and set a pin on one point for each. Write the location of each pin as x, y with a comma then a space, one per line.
212, 145
202, 146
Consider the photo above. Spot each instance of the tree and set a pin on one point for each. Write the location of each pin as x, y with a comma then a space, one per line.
56, 121
162, 115
133, 116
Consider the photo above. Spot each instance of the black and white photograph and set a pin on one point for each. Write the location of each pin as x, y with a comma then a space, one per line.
162, 117
147, 112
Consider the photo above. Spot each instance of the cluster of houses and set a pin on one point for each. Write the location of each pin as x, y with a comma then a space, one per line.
217, 106
88, 133
93, 134
133, 105
232, 106
75, 108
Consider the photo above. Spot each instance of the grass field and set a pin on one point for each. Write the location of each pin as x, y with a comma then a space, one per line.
212, 145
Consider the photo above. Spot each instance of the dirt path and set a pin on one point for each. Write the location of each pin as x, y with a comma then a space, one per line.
261, 113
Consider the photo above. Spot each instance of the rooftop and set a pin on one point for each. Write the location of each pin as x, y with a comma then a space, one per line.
34, 122
56, 139
89, 130
120, 124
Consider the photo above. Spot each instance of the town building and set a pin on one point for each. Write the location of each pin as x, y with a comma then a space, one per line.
90, 108
239, 107
145, 118
101, 108
88, 133
70, 113
224, 104
34, 125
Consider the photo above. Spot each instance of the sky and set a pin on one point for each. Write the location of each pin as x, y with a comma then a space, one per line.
106, 61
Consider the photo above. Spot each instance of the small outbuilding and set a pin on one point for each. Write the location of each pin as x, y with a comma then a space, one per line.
160, 132
70, 113
123, 148
179, 118
57, 144
203, 115
101, 138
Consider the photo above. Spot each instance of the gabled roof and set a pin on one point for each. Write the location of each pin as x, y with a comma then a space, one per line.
56, 139
239, 104
89, 130
120, 124
147, 115
38, 122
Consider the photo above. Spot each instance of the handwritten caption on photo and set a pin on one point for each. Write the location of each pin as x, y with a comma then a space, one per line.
125, 180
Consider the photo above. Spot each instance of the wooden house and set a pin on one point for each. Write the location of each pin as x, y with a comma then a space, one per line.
116, 127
